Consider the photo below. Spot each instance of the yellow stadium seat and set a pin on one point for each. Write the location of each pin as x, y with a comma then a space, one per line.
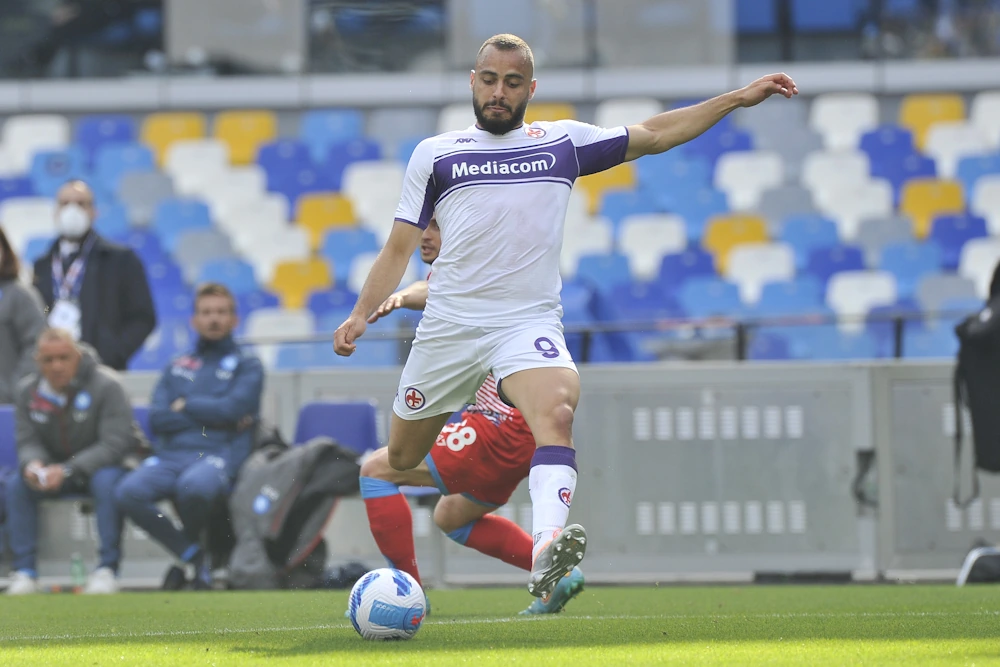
723, 233
294, 280
549, 111
923, 199
621, 177
160, 130
919, 112
319, 212
244, 132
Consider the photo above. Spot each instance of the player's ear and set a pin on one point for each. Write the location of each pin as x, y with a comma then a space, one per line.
472, 78
531, 89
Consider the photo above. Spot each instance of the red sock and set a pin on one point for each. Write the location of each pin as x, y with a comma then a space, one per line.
392, 527
501, 538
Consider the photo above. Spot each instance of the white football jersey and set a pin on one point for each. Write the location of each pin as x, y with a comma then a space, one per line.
501, 205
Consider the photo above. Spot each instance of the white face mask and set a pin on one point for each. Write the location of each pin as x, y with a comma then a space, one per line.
72, 221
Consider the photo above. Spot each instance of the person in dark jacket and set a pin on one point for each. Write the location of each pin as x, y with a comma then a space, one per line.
74, 429
21, 320
95, 289
201, 415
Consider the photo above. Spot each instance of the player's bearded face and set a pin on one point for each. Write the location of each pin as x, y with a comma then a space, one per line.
498, 116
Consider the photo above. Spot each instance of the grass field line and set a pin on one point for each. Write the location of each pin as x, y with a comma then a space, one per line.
508, 619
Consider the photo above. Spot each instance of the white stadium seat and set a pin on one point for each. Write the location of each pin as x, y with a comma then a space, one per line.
831, 170
23, 136
645, 239
841, 118
985, 201
225, 190
626, 111
978, 261
745, 175
752, 265
194, 163
277, 324
361, 266
949, 142
593, 237
26, 217
265, 252
985, 114
852, 294
374, 188
456, 117
850, 205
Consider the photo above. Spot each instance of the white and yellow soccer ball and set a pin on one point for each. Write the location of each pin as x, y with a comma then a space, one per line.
387, 604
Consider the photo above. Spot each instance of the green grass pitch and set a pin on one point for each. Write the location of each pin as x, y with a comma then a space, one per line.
739, 625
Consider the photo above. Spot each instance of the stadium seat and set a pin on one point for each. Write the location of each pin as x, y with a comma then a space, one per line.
94, 132
832, 171
985, 201
768, 346
175, 216
254, 299
925, 199
194, 247
698, 208
723, 233
294, 280
244, 132
842, 118
399, 129
971, 169
362, 264
745, 175
595, 237
454, 117
336, 299
625, 111
320, 128
603, 272
141, 192
24, 217
350, 424
887, 142
270, 249
824, 262
712, 144
35, 248
909, 262
951, 232
978, 261
305, 179
935, 290
784, 202
277, 323
236, 274
146, 245
162, 129
621, 177
678, 268
169, 339
341, 246
807, 233
639, 302
50, 169
672, 171
752, 265
112, 161
949, 142
16, 186
276, 157
801, 296
954, 311
874, 234
374, 189
231, 189
936, 342
549, 111
112, 222
319, 213
23, 136
253, 219
645, 239
852, 205
985, 114
709, 297
828, 343
405, 147
907, 168
921, 111
340, 155
828, 17
194, 163
616, 205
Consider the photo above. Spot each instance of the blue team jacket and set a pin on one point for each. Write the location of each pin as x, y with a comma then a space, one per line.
221, 384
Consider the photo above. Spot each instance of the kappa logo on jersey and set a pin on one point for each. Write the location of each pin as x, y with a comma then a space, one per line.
413, 398
535, 132
566, 496
465, 140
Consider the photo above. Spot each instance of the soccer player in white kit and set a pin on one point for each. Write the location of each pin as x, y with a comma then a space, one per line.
500, 190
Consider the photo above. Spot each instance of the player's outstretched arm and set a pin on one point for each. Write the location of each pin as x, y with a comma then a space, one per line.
384, 277
413, 297
673, 128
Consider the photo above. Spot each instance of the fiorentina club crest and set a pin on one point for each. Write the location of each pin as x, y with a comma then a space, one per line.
566, 496
535, 132
413, 398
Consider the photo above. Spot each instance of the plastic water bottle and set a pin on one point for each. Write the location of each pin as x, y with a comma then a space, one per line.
77, 572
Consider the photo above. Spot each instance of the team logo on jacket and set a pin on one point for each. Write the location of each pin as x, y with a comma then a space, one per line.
413, 398
261, 504
229, 363
82, 401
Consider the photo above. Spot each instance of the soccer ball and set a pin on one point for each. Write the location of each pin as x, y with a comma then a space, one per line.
386, 604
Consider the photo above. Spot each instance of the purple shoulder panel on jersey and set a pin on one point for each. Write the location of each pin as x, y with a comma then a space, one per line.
602, 155
427, 209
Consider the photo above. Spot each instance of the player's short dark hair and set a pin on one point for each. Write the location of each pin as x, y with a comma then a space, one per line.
10, 265
508, 42
214, 289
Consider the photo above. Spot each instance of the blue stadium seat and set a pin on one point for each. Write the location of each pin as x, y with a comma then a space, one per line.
112, 221
301, 180
954, 311
768, 346
603, 272
173, 217
712, 144
809, 16
618, 205
236, 274
172, 336
696, 208
677, 268
824, 262
340, 155
164, 274
283, 155
795, 297
708, 296
881, 322
115, 160
326, 301
406, 147
249, 301
970, 170
674, 172
51, 169
353, 425
755, 17
35, 248
936, 342
371, 353
640, 302
950, 233
577, 303
16, 186
806, 233
322, 127
899, 170
341, 246
93, 132
8, 445
909, 262
146, 244
827, 342
887, 143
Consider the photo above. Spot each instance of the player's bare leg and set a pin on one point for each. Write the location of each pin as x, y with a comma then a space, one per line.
411, 440
547, 397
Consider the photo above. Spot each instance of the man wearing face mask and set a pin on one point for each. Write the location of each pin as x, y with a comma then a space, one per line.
92, 288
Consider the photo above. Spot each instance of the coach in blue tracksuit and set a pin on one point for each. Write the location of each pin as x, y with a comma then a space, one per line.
201, 416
